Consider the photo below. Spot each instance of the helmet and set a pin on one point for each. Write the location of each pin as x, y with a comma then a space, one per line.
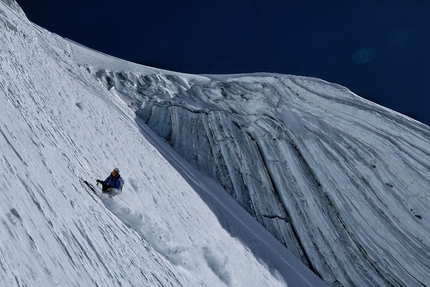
116, 169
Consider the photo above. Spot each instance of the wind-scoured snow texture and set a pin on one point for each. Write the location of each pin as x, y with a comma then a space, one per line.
58, 124
342, 182
14, 5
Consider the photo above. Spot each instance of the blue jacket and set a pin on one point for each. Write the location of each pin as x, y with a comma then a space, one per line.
115, 182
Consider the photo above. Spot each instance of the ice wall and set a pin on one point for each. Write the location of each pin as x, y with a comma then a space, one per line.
341, 181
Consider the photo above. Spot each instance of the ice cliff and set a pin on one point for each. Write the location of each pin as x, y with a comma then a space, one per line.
342, 182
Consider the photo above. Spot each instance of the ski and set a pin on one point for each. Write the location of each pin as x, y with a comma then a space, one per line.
90, 186
96, 190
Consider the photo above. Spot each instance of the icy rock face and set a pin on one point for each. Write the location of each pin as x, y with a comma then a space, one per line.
342, 182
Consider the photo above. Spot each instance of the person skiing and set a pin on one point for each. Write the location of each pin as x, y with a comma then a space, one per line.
113, 183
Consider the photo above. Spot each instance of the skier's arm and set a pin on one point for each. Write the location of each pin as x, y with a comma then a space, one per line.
104, 181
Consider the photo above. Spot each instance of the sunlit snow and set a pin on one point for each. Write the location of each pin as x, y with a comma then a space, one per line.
340, 181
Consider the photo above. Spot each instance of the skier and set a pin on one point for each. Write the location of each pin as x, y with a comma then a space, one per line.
113, 183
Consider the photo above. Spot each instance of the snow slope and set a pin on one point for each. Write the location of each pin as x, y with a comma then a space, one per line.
340, 181
172, 226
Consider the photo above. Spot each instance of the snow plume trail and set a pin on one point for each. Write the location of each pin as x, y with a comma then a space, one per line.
154, 234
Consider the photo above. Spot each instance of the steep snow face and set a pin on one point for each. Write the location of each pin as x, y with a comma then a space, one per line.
342, 182
12, 4
59, 124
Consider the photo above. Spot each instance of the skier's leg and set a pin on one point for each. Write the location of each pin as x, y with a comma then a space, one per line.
105, 186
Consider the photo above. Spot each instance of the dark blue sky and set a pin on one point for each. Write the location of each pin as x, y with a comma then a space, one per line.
378, 49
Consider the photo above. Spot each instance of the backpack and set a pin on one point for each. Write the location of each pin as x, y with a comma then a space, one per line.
122, 182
